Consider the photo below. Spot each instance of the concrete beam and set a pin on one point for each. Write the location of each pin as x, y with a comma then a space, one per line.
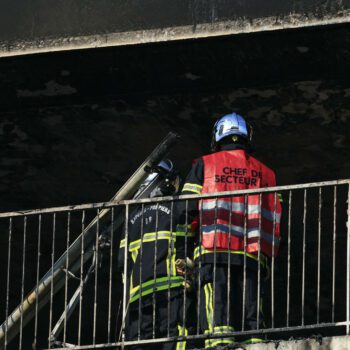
48, 26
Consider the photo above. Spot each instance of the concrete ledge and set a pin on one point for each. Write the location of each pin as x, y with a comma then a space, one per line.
331, 343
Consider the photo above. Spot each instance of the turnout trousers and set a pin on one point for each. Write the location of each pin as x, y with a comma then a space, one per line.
158, 319
221, 302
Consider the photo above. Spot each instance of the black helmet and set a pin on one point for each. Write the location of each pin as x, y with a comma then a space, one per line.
163, 180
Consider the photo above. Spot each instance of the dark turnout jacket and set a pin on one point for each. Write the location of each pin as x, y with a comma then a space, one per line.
155, 241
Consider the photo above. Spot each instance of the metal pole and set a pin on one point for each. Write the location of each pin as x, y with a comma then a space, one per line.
8, 279
126, 279
37, 282
289, 244
319, 253
81, 279
334, 247
111, 250
23, 274
303, 268
348, 268
66, 280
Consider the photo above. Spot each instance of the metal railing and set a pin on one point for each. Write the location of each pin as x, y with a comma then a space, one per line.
62, 286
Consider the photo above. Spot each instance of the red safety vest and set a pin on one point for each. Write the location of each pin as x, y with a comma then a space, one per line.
226, 221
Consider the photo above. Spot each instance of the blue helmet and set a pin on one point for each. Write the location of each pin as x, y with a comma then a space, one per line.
230, 124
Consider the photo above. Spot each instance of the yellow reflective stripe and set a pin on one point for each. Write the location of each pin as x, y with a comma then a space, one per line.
217, 341
192, 188
252, 340
223, 329
173, 265
181, 345
208, 292
151, 237
209, 343
198, 252
279, 195
122, 243
158, 284
184, 230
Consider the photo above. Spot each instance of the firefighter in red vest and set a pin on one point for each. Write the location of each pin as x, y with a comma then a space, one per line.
236, 234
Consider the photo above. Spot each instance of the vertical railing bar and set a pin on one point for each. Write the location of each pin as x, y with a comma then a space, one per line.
170, 262
154, 302
245, 233
303, 263
52, 265
229, 265
185, 294
81, 279
199, 266
289, 247
214, 273
334, 248
258, 306
110, 279
23, 273
37, 282
319, 253
140, 277
66, 279
125, 286
348, 267
8, 280
96, 275
273, 263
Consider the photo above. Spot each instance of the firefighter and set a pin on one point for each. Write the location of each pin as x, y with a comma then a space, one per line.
158, 268
236, 233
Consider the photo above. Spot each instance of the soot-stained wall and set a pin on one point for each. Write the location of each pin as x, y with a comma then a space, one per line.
75, 125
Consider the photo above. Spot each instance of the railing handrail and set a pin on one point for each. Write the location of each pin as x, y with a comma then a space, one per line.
108, 204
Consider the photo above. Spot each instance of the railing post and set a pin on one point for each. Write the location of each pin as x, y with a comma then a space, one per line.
348, 268
125, 279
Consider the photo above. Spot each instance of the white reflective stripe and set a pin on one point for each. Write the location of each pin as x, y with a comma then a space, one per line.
235, 230
240, 208
239, 231
210, 205
270, 215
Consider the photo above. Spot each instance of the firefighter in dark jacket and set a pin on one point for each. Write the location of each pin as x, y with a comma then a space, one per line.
158, 268
236, 234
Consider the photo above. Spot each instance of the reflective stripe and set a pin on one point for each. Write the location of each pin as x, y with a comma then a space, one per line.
122, 243
252, 340
156, 285
210, 205
181, 345
201, 251
152, 236
184, 230
239, 232
208, 305
134, 255
192, 188
253, 209
170, 262
218, 341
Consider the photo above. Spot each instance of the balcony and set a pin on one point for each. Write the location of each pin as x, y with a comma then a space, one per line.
62, 286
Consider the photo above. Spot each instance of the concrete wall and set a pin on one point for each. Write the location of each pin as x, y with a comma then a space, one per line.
331, 343
29, 26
